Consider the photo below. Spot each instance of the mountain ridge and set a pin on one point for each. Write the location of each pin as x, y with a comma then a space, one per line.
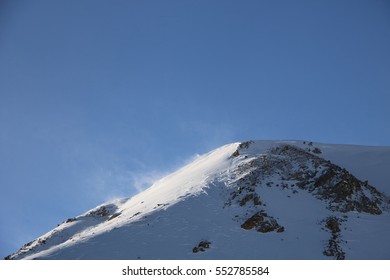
230, 202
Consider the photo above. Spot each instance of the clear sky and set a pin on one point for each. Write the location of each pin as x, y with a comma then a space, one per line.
100, 98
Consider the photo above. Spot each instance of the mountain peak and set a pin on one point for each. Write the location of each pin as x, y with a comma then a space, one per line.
248, 200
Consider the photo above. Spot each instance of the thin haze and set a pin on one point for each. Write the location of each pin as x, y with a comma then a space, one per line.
100, 98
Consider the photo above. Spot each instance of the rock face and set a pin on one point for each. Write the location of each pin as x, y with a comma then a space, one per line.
298, 169
202, 246
246, 200
262, 223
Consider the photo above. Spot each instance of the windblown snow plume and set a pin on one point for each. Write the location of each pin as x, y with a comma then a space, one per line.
250, 200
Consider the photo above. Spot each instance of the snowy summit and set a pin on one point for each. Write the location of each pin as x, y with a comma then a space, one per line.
250, 200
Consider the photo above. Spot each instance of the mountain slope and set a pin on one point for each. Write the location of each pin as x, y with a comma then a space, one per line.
251, 200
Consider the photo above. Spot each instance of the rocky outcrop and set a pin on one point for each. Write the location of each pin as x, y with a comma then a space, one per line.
100, 212
202, 246
294, 169
262, 222
243, 145
333, 246
298, 169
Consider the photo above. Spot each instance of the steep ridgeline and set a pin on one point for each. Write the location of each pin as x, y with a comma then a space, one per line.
250, 200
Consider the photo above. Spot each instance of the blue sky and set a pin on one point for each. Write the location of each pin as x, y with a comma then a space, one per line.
100, 98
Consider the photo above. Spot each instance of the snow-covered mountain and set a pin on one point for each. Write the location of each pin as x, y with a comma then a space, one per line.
250, 200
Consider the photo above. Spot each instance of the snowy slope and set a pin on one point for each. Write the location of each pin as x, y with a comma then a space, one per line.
254, 200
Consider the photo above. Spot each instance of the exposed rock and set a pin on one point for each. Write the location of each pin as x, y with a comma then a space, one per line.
268, 226
291, 168
287, 168
325, 180
250, 197
262, 222
236, 153
253, 221
135, 214
41, 241
245, 145
246, 199
333, 249
256, 200
333, 246
28, 244
281, 229
113, 216
316, 151
101, 212
332, 223
70, 220
202, 246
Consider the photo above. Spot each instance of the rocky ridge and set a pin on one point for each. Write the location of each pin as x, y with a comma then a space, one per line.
295, 169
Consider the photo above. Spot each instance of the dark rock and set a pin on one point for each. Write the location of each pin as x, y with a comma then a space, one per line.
281, 229
136, 214
267, 226
28, 244
261, 222
316, 151
202, 246
334, 250
70, 220
256, 200
325, 178
246, 199
41, 241
101, 212
113, 216
245, 145
332, 223
253, 221
236, 153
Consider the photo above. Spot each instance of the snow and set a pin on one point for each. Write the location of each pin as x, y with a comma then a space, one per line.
177, 212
